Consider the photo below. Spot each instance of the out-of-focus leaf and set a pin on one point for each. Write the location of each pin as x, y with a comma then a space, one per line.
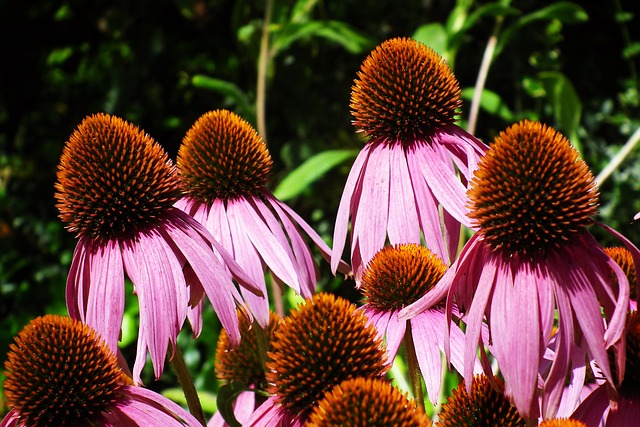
491, 103
207, 399
492, 9
229, 90
226, 398
565, 102
567, 12
336, 31
435, 36
310, 171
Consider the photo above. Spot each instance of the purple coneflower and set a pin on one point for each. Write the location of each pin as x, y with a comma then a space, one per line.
371, 402
483, 404
244, 364
405, 101
317, 346
224, 165
116, 189
60, 372
531, 259
394, 278
598, 408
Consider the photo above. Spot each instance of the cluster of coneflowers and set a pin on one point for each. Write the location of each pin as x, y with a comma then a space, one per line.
534, 317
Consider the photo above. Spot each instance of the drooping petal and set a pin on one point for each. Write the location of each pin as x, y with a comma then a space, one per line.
309, 272
404, 226
344, 208
428, 211
517, 349
269, 414
395, 334
152, 409
426, 328
105, 302
370, 224
78, 280
593, 407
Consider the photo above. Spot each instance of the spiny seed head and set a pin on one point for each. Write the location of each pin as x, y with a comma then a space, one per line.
222, 157
60, 372
630, 387
403, 91
246, 362
623, 258
113, 179
484, 406
562, 422
531, 192
369, 402
317, 346
399, 275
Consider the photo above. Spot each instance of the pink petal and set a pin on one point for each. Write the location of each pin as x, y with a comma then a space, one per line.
395, 334
593, 408
344, 209
269, 414
425, 329
152, 409
105, 301
517, 349
79, 280
370, 223
404, 226
428, 211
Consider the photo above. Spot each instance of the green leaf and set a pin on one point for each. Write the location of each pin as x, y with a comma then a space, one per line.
335, 31
310, 171
226, 398
491, 103
565, 102
435, 36
228, 89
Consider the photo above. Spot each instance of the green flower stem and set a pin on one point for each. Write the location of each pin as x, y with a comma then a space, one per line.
482, 75
263, 66
186, 382
415, 378
618, 158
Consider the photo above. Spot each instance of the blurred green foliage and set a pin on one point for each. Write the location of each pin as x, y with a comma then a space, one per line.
163, 64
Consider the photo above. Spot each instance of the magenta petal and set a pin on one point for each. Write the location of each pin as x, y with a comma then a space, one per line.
475, 316
515, 302
370, 225
11, 419
105, 302
160, 402
593, 408
426, 329
79, 280
269, 414
344, 209
404, 226
428, 210
395, 334
444, 183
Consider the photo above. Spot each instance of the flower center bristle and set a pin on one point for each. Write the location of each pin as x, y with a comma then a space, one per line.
484, 406
113, 179
222, 157
531, 191
400, 275
562, 422
630, 387
623, 258
59, 372
317, 346
403, 90
245, 363
367, 401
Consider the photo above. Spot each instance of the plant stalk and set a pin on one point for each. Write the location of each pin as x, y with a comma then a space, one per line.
263, 66
186, 383
415, 377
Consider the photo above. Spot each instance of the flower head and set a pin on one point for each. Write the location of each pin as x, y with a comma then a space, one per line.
60, 372
396, 277
224, 165
317, 346
405, 100
485, 404
116, 188
244, 364
367, 401
532, 261
623, 409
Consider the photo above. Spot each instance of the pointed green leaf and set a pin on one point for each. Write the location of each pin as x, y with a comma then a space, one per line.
226, 398
310, 171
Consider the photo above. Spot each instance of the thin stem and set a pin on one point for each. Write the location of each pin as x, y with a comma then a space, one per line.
482, 75
415, 378
186, 383
277, 293
263, 66
618, 158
